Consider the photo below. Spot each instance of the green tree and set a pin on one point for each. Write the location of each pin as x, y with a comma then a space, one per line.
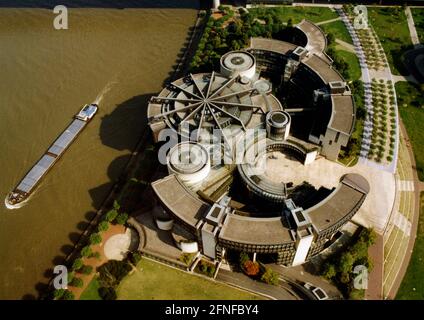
103, 226
270, 277
58, 293
87, 270
86, 251
122, 218
68, 295
77, 282
95, 238
77, 265
111, 215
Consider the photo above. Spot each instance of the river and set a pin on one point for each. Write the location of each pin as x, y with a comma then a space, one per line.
118, 57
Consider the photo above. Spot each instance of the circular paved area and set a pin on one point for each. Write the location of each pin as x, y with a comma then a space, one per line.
117, 246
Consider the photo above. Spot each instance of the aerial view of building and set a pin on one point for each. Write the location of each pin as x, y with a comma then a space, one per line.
243, 150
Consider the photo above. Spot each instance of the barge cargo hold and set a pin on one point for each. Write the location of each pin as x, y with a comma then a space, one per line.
27, 185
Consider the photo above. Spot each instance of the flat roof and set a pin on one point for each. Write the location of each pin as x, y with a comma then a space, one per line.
317, 41
343, 115
261, 231
322, 68
180, 200
335, 207
278, 46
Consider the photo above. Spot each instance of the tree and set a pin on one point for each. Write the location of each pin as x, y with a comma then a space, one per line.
330, 39
103, 226
270, 277
251, 268
86, 251
77, 282
87, 270
68, 295
95, 238
77, 264
111, 215
122, 218
329, 271
58, 293
107, 293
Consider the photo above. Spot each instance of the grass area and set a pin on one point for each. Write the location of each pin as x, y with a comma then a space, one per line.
354, 70
418, 15
298, 13
391, 26
338, 29
91, 292
156, 281
410, 101
412, 287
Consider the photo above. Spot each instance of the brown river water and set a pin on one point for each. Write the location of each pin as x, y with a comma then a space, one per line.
119, 57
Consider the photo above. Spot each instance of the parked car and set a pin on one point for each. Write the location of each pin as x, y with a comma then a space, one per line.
319, 293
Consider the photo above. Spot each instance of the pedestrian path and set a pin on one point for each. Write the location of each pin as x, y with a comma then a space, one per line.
328, 21
405, 185
411, 25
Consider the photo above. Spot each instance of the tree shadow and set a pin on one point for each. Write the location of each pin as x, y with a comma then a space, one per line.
112, 4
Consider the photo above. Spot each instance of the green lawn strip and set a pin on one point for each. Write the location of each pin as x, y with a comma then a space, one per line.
354, 69
410, 101
418, 16
91, 292
391, 26
338, 29
154, 281
412, 287
298, 13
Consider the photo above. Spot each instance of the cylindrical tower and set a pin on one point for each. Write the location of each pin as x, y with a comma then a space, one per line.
216, 4
278, 125
238, 63
190, 162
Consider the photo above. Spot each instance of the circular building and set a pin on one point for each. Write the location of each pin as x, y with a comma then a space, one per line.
190, 162
278, 125
238, 63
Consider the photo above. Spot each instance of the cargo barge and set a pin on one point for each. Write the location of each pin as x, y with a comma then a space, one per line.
30, 181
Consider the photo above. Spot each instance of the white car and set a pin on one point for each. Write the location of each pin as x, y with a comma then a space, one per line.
319, 293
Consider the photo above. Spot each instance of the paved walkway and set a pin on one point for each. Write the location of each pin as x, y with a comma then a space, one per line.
241, 281
411, 25
346, 46
328, 21
375, 280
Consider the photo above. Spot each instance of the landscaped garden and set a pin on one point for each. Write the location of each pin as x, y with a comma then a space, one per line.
412, 287
383, 138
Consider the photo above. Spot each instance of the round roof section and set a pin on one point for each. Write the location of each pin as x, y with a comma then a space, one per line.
238, 61
198, 104
278, 119
188, 157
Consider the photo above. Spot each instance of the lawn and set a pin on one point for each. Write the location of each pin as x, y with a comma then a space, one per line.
391, 26
155, 281
412, 287
354, 70
314, 14
91, 292
418, 15
410, 101
338, 29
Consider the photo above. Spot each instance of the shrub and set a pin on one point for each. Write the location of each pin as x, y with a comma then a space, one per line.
103, 226
77, 264
86, 251
186, 258
243, 258
77, 282
207, 268
95, 238
68, 295
122, 218
87, 270
270, 277
251, 268
96, 255
107, 293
